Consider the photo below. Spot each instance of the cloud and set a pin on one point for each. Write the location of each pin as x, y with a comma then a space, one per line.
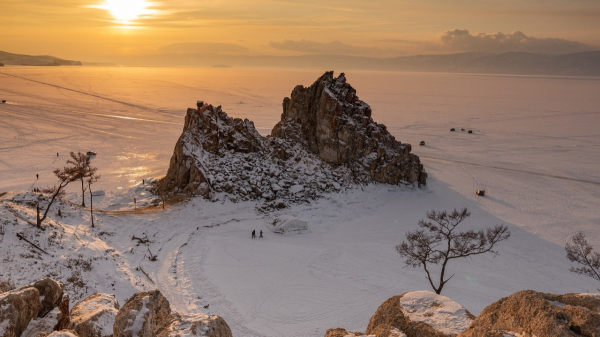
202, 47
463, 40
332, 48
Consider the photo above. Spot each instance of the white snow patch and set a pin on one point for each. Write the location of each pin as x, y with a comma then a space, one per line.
288, 225
296, 188
438, 311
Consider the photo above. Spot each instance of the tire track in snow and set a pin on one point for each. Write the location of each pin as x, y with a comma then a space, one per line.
182, 279
512, 170
81, 92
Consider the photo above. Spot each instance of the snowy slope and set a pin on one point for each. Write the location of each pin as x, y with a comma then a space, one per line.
534, 149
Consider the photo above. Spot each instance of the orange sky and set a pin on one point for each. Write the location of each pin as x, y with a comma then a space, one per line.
123, 30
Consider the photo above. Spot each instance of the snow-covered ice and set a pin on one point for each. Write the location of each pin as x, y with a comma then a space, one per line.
534, 149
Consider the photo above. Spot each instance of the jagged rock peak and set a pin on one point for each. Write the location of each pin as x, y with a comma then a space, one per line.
326, 141
330, 119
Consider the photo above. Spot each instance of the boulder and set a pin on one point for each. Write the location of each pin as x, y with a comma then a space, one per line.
142, 314
61, 333
51, 291
95, 315
419, 314
341, 332
530, 313
64, 317
17, 308
181, 325
42, 325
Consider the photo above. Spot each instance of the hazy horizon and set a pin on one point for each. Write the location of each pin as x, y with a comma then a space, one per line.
140, 32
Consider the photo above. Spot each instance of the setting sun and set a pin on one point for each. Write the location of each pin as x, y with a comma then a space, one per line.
126, 10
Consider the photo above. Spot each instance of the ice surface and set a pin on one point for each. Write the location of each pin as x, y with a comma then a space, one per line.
534, 149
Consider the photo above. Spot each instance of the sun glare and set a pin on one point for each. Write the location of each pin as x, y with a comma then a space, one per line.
126, 11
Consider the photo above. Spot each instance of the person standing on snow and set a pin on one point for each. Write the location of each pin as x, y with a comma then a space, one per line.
253, 233
260, 234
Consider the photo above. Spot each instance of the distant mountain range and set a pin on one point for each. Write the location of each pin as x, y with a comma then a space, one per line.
516, 63
28, 60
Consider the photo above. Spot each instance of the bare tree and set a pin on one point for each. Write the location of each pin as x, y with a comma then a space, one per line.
92, 179
581, 252
438, 242
82, 170
65, 176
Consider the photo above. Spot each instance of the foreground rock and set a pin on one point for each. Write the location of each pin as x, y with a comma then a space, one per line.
62, 333
52, 293
94, 316
326, 141
195, 325
17, 309
414, 314
141, 315
148, 314
529, 313
419, 314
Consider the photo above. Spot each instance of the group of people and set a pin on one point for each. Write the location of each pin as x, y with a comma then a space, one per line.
254, 234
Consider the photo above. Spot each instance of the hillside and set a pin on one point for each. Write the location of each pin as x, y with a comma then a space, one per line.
34, 60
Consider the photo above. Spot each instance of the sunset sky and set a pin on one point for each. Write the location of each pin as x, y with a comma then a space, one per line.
126, 30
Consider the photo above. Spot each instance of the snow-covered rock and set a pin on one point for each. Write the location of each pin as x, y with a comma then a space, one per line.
61, 333
332, 122
141, 315
42, 325
326, 140
530, 313
17, 309
187, 325
94, 316
419, 314
341, 332
52, 293
289, 225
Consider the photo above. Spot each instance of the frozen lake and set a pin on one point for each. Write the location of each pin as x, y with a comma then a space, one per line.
535, 149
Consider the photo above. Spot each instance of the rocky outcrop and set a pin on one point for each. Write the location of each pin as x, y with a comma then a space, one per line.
530, 313
146, 314
64, 317
341, 332
62, 333
326, 141
94, 316
142, 314
195, 325
419, 314
414, 314
332, 122
17, 309
52, 293
42, 325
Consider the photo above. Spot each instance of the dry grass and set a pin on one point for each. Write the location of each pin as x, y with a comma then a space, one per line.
6, 285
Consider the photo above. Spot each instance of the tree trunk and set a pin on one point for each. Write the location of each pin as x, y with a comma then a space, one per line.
60, 187
91, 203
82, 194
39, 223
